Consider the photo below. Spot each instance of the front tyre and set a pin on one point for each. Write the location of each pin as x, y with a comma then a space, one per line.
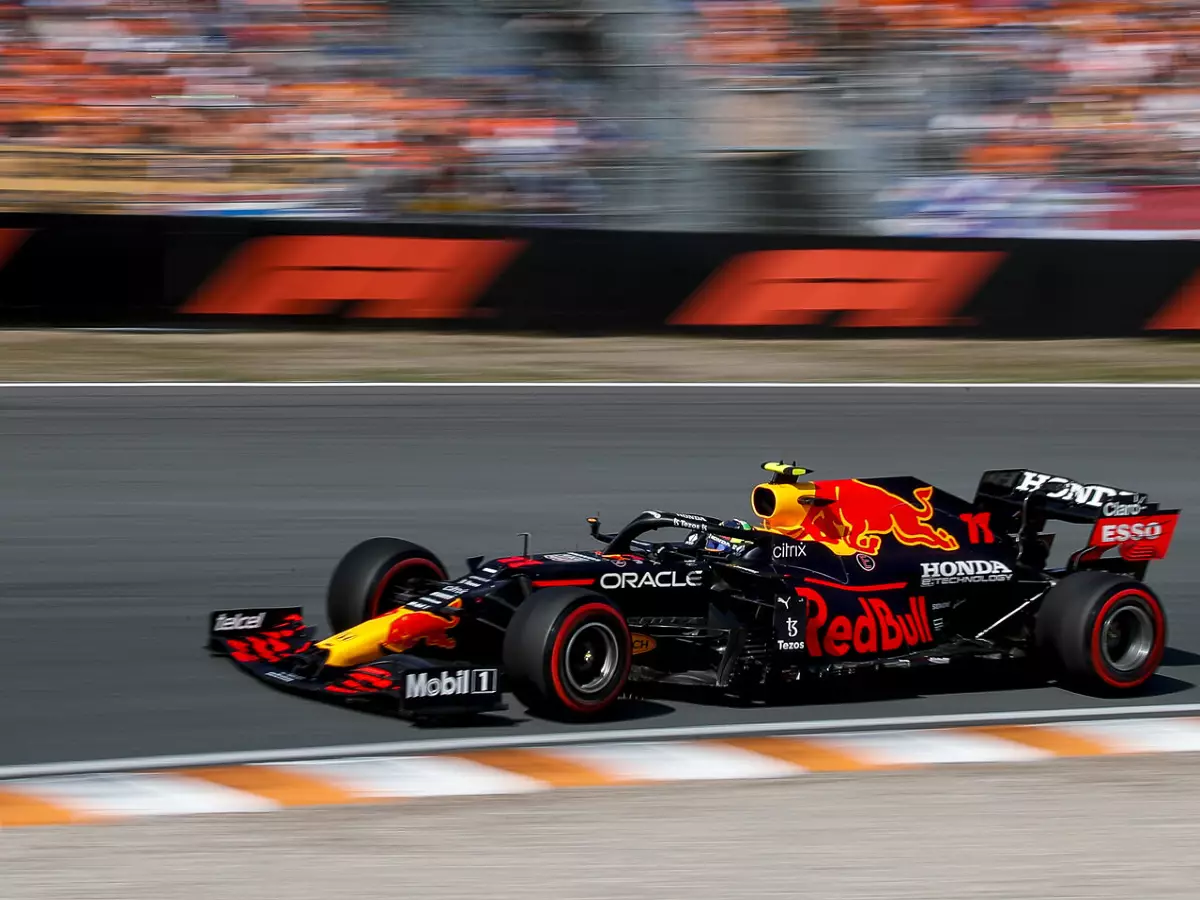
567, 653
1101, 633
365, 582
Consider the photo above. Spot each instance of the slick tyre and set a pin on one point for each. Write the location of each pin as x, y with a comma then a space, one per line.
364, 583
567, 653
1101, 633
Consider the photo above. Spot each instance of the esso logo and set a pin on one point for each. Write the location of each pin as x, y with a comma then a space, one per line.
1130, 531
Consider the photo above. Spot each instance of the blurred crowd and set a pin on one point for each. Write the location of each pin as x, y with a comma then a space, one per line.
269, 106
1064, 113
1012, 86
1065, 110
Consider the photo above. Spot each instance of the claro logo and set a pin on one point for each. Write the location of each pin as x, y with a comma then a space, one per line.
851, 288
375, 277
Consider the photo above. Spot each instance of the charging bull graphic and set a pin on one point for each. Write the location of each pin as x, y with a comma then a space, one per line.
850, 516
413, 626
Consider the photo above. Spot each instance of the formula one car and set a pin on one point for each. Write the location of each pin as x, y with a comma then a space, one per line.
839, 575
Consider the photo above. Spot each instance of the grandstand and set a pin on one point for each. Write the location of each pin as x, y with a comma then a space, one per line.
904, 116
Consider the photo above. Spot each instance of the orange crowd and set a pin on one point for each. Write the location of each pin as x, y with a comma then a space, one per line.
324, 106
1089, 87
200, 101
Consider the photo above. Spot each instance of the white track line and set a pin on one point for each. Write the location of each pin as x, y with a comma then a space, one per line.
1150, 735
452, 745
142, 795
929, 747
676, 761
416, 776
736, 385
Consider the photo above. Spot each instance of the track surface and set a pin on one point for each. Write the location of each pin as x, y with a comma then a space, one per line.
130, 513
1103, 830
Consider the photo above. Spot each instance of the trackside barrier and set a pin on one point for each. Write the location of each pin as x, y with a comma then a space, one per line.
181, 272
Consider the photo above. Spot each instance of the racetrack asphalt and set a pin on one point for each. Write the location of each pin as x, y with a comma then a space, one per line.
1107, 829
129, 513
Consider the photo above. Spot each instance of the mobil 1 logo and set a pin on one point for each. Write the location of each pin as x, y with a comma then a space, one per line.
451, 684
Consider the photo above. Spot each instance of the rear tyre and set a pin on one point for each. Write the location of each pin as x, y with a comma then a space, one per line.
1101, 633
366, 580
567, 653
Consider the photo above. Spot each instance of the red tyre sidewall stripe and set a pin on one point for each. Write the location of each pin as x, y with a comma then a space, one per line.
1159, 638
556, 657
390, 576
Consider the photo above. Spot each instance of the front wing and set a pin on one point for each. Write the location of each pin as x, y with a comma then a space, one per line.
277, 647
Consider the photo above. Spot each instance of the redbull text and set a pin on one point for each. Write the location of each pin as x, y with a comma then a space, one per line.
875, 629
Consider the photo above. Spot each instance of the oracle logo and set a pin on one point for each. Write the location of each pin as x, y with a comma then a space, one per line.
668, 579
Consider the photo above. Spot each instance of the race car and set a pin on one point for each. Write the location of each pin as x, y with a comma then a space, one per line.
836, 576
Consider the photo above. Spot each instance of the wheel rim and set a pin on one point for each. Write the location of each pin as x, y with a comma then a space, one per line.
1127, 638
591, 659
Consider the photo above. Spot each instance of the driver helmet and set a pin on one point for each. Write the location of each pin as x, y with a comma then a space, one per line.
721, 544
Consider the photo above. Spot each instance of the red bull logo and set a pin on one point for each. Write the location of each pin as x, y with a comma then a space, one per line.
876, 628
850, 516
414, 626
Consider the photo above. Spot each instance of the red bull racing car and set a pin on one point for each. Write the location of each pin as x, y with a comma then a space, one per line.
839, 575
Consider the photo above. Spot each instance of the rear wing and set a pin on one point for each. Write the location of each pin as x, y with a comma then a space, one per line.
1020, 501
1009, 490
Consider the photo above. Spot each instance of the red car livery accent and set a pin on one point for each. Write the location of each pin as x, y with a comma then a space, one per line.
517, 562
270, 646
366, 679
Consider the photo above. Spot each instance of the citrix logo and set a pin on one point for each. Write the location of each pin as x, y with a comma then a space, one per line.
788, 551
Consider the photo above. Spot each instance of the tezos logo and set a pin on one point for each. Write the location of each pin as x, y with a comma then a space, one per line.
1130, 531
612, 580
788, 551
964, 571
450, 684
867, 563
239, 622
